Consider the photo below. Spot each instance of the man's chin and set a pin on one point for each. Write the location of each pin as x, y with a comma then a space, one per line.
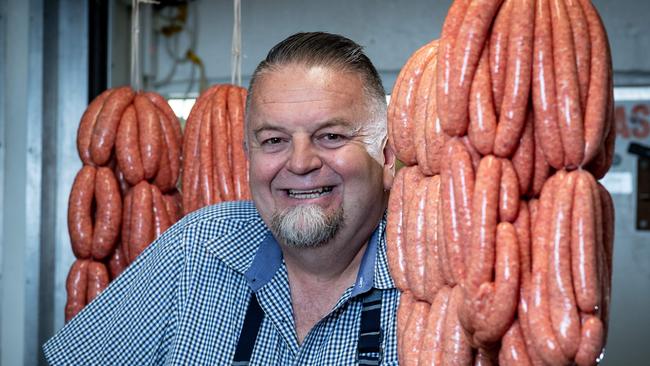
306, 226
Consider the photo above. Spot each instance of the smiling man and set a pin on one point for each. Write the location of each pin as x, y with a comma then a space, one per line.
298, 276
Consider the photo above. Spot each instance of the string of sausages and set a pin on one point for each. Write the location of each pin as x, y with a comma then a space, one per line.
125, 194
215, 168
499, 235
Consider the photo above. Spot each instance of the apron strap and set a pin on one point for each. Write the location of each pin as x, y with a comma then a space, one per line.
370, 336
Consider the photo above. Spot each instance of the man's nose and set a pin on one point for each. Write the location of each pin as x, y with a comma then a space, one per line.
304, 157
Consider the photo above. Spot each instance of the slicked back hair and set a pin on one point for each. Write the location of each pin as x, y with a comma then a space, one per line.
339, 53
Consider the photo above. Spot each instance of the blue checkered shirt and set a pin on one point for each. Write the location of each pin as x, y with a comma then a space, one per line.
183, 302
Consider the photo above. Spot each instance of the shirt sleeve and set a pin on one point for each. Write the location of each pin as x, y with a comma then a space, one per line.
131, 321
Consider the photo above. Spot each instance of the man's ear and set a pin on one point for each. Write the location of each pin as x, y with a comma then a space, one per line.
389, 166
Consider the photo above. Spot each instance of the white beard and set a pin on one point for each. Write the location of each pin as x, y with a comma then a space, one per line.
306, 226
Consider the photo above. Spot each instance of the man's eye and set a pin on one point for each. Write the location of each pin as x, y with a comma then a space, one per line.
333, 137
272, 141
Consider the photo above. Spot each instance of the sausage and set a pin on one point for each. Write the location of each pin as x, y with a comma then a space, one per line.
404, 310
434, 277
582, 44
484, 221
141, 228
435, 138
161, 218
126, 225
495, 303
514, 107
547, 130
117, 262
75, 285
162, 105
414, 332
80, 218
523, 159
508, 192
87, 125
172, 151
105, 129
600, 85
221, 143
467, 51
591, 341
403, 122
164, 176
584, 266
432, 343
206, 174
173, 206
482, 117
562, 304
427, 82
98, 280
607, 256
462, 172
127, 148
522, 227
150, 135
567, 95
415, 239
246, 193
450, 28
456, 349
392, 102
498, 48
239, 171
395, 234
484, 357
443, 257
522, 314
513, 348
108, 214
541, 170
542, 334
452, 252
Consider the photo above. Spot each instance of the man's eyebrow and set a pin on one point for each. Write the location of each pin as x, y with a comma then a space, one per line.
268, 126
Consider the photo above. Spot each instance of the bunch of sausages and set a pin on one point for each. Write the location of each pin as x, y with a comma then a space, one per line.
215, 168
125, 194
499, 235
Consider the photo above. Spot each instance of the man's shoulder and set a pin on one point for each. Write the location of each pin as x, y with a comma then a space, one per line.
232, 231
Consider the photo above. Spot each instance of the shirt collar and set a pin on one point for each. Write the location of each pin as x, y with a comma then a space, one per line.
373, 270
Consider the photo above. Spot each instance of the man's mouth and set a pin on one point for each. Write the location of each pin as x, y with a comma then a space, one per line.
303, 194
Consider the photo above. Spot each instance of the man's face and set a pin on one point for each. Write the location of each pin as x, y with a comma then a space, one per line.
308, 154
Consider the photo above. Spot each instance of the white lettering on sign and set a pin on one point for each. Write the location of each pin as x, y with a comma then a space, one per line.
618, 182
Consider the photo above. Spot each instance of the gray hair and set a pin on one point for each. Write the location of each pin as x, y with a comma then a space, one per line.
334, 51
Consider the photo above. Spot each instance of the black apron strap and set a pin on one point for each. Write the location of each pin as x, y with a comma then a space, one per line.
248, 335
370, 336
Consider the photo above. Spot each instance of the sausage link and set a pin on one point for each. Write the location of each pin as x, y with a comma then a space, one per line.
523, 159
582, 43
105, 129
98, 279
174, 126
522, 315
414, 332
462, 172
450, 28
221, 144
452, 253
584, 266
485, 357
467, 51
173, 149
495, 303
173, 205
404, 310
514, 107
567, 88
117, 262
126, 225
513, 348
434, 278
522, 227
456, 349
149, 135
541, 170
108, 214
80, 217
75, 285
206, 173
164, 176
498, 48
562, 303
547, 130
434, 137
542, 334
443, 258
427, 82
141, 228
432, 343
395, 234
87, 125
239, 172
508, 193
591, 341
127, 148
607, 248
246, 193
600, 85
482, 116
161, 218
415, 240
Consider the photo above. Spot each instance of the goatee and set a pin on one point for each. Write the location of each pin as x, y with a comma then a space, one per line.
306, 226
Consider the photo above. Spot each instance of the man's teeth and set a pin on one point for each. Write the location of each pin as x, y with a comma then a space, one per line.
307, 194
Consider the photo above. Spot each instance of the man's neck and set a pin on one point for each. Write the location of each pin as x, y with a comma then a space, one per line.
318, 277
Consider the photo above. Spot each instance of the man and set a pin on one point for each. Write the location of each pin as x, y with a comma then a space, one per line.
297, 277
